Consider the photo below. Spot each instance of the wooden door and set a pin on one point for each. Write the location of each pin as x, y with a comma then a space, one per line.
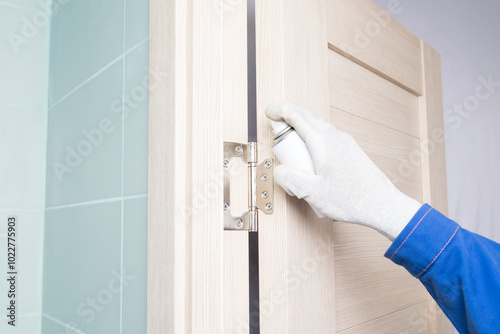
345, 61
350, 63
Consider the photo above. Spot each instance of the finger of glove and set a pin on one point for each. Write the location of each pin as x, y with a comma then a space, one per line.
299, 118
296, 182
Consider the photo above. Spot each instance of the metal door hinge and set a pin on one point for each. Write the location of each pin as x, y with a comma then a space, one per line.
260, 186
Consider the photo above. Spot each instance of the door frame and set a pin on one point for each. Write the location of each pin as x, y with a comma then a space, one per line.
197, 272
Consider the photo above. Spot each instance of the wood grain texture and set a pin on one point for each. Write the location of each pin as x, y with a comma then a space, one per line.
361, 92
365, 33
368, 286
197, 273
315, 275
395, 153
273, 243
433, 159
296, 270
235, 128
431, 126
412, 319
168, 164
206, 242
357, 87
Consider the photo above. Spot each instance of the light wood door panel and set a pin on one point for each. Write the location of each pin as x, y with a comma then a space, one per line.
433, 159
368, 286
385, 121
368, 35
394, 121
413, 319
359, 79
359, 91
395, 153
377, 92
316, 276
292, 65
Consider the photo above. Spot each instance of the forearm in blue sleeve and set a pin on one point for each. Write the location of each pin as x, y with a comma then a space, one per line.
460, 269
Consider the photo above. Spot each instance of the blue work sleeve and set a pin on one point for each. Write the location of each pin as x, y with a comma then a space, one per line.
460, 269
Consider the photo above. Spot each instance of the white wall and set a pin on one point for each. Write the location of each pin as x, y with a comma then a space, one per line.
466, 34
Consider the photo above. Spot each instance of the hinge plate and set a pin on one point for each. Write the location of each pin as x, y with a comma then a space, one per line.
260, 186
265, 187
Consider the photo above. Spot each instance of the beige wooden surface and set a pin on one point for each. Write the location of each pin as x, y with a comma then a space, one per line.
316, 276
388, 148
412, 319
296, 295
377, 92
365, 94
433, 158
364, 32
235, 128
368, 286
387, 94
197, 273
168, 266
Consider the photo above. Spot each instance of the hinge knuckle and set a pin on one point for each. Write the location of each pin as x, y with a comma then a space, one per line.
260, 186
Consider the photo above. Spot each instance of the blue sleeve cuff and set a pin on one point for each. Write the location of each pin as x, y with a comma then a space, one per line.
422, 241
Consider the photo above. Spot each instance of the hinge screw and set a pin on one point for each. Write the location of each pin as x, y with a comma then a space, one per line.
269, 206
226, 207
226, 163
239, 150
265, 194
239, 223
264, 177
268, 164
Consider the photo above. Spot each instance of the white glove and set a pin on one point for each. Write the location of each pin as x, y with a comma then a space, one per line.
347, 185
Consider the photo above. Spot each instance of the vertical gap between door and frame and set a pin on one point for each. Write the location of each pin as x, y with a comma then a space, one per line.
253, 237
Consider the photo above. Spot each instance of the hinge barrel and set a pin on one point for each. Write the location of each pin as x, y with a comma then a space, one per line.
252, 187
260, 186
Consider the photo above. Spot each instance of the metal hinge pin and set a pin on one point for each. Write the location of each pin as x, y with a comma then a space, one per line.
260, 186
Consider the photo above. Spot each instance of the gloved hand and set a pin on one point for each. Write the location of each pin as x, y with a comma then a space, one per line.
347, 185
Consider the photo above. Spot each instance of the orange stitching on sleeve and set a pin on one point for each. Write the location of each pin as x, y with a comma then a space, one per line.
439, 252
411, 232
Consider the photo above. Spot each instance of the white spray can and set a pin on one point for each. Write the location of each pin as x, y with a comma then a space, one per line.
291, 150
